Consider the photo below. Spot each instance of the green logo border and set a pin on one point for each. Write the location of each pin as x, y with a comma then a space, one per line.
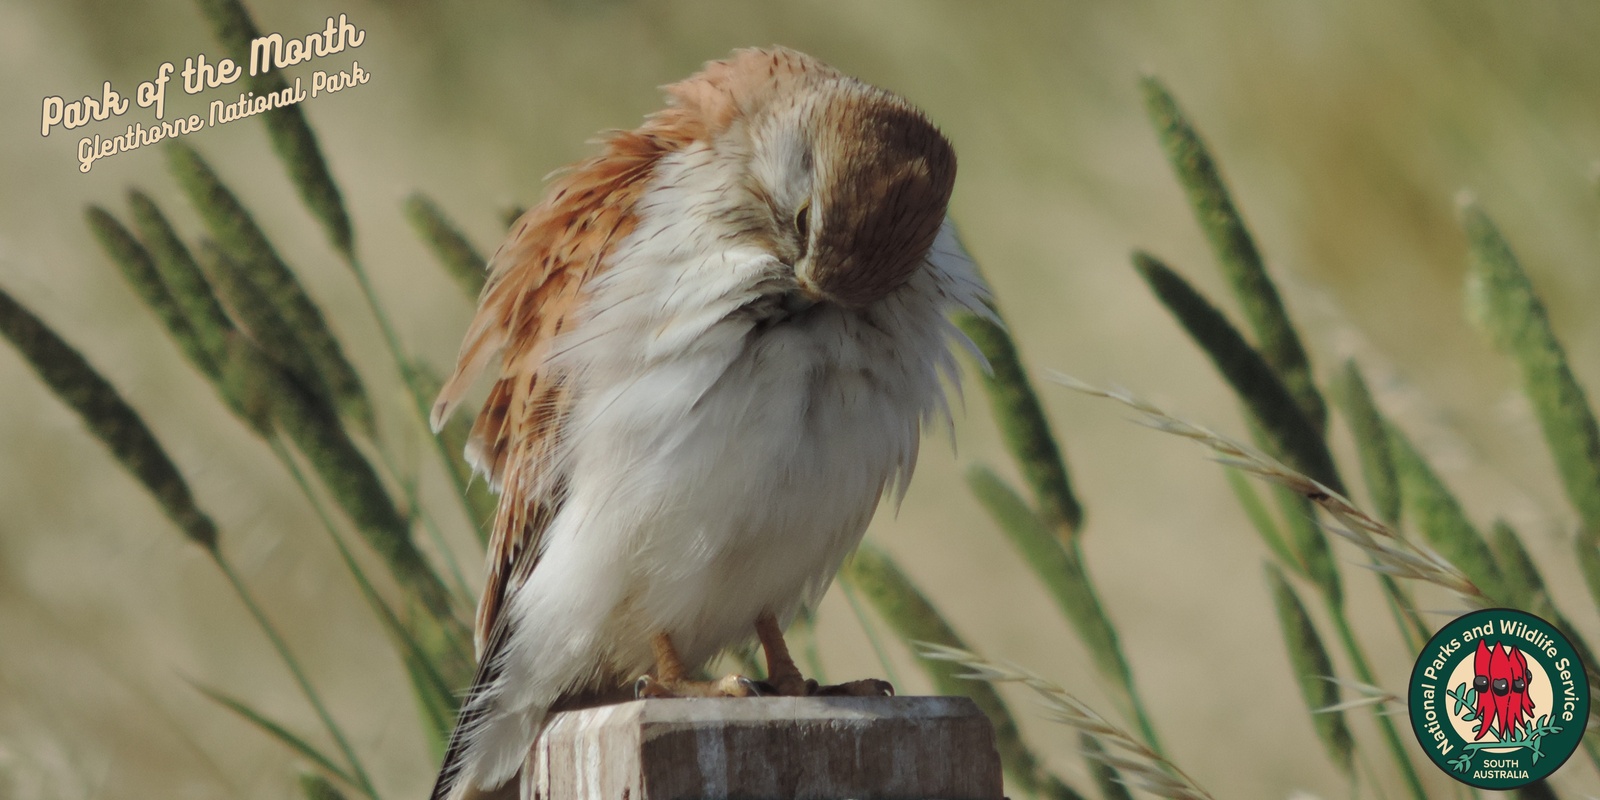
1566, 740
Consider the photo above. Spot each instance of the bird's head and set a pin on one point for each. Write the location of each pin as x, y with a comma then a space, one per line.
852, 182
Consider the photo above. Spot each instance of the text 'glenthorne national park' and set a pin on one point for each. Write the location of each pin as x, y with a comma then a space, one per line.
199, 73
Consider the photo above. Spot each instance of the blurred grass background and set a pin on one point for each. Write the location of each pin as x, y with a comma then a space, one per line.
1344, 132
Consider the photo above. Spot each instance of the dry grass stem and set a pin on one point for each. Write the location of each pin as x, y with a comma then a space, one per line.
1393, 554
1141, 767
1369, 696
914, 619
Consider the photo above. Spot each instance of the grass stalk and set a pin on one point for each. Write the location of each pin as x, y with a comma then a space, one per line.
914, 619
352, 482
1295, 436
1502, 302
297, 148
222, 353
1391, 553
180, 274
1310, 543
465, 265
1106, 777
363, 781
419, 512
1150, 771
1522, 578
243, 240
249, 379
1372, 442
479, 503
316, 787
277, 731
1312, 667
1235, 250
1386, 728
1025, 427
1368, 429
1060, 568
116, 424
1261, 520
1436, 512
1281, 371
139, 268
256, 315
286, 126
108, 416
434, 694
1055, 511
1295, 439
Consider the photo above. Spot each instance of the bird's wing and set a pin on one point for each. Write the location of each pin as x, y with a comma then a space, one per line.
536, 287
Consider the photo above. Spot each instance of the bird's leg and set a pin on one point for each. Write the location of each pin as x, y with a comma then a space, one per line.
784, 676
781, 670
671, 679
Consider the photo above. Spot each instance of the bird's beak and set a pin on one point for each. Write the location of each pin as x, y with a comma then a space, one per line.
806, 293
802, 298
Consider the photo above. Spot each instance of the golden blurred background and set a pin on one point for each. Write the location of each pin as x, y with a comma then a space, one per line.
1345, 130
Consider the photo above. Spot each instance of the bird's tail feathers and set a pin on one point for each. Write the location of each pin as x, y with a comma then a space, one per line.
487, 751
490, 743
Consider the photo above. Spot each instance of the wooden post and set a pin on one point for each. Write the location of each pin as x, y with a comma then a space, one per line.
821, 748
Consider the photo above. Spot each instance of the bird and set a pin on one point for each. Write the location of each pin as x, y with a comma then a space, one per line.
714, 348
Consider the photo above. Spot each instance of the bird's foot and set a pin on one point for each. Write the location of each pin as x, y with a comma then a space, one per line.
867, 687
728, 686
784, 675
796, 686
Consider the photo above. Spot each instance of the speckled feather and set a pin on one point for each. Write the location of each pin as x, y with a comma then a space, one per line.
714, 345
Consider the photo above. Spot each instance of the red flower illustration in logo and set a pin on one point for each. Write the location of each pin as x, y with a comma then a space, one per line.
1501, 678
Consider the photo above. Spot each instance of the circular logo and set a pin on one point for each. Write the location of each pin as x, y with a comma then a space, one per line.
1499, 699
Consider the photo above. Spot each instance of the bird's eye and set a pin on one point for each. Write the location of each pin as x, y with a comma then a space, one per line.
802, 225
1519, 685
1501, 686
1481, 682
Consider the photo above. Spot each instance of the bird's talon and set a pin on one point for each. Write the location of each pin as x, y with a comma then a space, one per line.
868, 687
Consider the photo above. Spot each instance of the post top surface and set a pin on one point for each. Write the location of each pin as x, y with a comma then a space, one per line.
762, 709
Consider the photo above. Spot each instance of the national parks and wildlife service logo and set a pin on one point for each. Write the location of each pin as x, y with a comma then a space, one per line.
1499, 699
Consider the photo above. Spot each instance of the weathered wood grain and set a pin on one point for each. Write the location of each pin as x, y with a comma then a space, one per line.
822, 748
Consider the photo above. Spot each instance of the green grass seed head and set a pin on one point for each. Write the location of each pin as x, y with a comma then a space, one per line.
236, 231
1312, 667
258, 318
139, 269
182, 276
108, 416
460, 259
1235, 248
